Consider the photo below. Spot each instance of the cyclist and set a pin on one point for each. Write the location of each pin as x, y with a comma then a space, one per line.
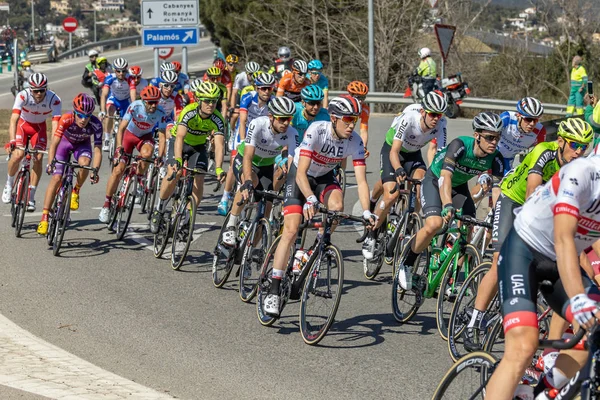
252, 105
315, 74
25, 72
554, 226
427, 70
401, 155
135, 72
99, 76
73, 136
231, 62
171, 103
309, 110
88, 72
537, 168
448, 176
283, 64
28, 122
195, 123
311, 180
240, 82
253, 166
183, 80
116, 95
215, 75
136, 130
359, 90
292, 84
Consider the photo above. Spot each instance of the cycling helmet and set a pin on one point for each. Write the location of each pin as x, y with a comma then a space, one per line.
357, 88
207, 90
219, 63
135, 71
232, 59
315, 64
300, 66
576, 129
530, 107
282, 107
344, 105
284, 52
194, 85
93, 53
251, 67
38, 81
424, 52
101, 60
150, 93
435, 102
214, 71
177, 66
487, 121
264, 79
168, 77
167, 66
312, 93
120, 63
26, 64
84, 103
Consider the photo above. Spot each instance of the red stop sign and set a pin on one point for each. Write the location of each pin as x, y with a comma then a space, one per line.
70, 24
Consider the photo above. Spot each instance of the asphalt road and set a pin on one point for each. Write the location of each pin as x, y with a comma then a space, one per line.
131, 314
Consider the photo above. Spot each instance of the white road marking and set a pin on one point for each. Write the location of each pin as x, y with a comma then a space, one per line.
37, 214
140, 232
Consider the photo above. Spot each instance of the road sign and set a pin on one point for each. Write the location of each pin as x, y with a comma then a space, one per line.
154, 37
4, 7
445, 35
70, 24
169, 13
433, 3
165, 52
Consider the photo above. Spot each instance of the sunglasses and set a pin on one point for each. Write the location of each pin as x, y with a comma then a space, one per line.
314, 72
120, 71
313, 103
530, 120
168, 85
38, 91
434, 115
265, 88
576, 145
209, 101
283, 119
490, 138
81, 115
349, 120
151, 102
231, 64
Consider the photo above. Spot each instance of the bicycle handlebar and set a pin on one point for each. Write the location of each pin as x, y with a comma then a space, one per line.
473, 221
407, 179
73, 165
563, 344
267, 194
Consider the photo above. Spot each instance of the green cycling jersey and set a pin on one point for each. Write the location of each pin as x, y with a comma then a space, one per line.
198, 129
541, 160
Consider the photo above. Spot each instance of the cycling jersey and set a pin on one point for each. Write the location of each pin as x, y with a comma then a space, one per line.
198, 128
573, 190
142, 84
326, 151
407, 128
171, 105
68, 129
119, 89
36, 113
288, 87
301, 123
241, 81
267, 145
183, 82
513, 141
323, 82
141, 123
226, 79
280, 67
458, 157
249, 105
365, 113
98, 77
542, 160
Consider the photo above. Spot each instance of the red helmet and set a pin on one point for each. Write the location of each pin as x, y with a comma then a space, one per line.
84, 103
357, 88
177, 66
219, 63
135, 70
150, 93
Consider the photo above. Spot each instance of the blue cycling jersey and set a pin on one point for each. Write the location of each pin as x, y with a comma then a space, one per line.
301, 123
141, 122
323, 82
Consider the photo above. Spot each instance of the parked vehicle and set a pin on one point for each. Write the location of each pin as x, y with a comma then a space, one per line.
456, 90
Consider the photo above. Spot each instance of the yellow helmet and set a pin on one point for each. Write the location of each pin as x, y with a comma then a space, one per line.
576, 130
232, 59
101, 60
214, 71
26, 64
207, 90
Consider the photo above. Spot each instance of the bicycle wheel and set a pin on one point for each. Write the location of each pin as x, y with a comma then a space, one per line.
253, 258
341, 177
125, 211
161, 239
183, 231
321, 295
409, 227
276, 219
223, 258
145, 197
463, 310
406, 303
52, 222
21, 200
467, 378
13, 201
451, 283
372, 267
152, 196
62, 220
111, 150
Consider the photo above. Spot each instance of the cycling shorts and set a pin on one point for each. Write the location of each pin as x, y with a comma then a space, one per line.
432, 203
36, 133
130, 142
264, 173
294, 199
66, 148
594, 260
521, 271
196, 155
409, 161
120, 105
503, 220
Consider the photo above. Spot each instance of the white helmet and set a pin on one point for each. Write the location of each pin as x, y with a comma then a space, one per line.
424, 52
92, 53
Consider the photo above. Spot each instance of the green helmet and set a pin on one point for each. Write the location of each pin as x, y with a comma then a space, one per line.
207, 91
576, 130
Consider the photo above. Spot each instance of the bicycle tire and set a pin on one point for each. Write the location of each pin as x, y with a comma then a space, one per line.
61, 223
415, 223
482, 363
125, 212
342, 180
161, 239
153, 194
111, 150
471, 256
222, 263
146, 190
52, 223
464, 303
252, 260
177, 256
372, 267
22, 200
13, 201
313, 335
419, 284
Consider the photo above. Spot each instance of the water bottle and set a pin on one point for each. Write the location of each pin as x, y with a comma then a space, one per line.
445, 251
298, 261
391, 227
547, 394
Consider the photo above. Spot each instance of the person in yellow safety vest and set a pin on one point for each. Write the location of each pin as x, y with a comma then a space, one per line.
427, 69
578, 87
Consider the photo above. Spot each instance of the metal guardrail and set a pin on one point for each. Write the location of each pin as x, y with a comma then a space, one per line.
468, 102
109, 42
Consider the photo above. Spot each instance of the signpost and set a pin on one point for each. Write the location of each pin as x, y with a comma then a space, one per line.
70, 24
165, 52
169, 13
445, 36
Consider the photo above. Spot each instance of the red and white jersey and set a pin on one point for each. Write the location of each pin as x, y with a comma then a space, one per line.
326, 151
573, 190
140, 86
36, 113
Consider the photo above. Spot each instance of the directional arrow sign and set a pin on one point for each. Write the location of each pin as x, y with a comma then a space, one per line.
170, 13
150, 13
154, 37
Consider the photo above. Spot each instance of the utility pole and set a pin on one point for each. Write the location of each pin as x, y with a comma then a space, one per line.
32, 24
371, 49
